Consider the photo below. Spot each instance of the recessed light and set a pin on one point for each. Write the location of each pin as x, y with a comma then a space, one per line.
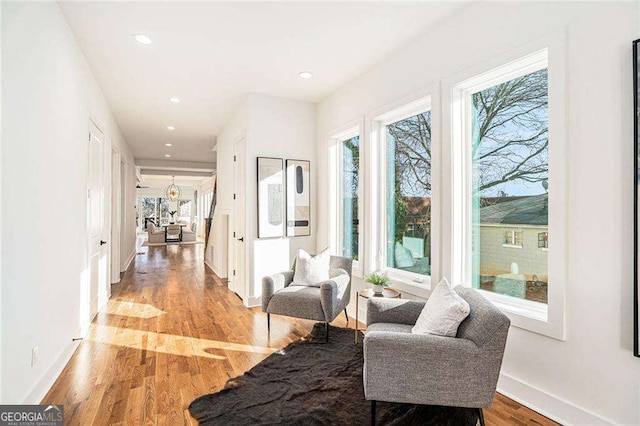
174, 100
305, 74
171, 128
168, 144
167, 155
142, 39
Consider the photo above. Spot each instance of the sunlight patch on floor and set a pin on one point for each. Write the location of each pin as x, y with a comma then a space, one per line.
167, 343
132, 309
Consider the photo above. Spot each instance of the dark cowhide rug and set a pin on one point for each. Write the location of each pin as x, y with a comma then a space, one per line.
313, 383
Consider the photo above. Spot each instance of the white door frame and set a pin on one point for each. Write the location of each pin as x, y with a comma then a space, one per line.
86, 314
116, 217
243, 293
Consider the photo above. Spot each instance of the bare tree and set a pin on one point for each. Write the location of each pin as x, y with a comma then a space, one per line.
511, 133
510, 142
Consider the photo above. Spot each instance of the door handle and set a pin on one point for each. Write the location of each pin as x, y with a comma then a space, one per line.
102, 242
241, 239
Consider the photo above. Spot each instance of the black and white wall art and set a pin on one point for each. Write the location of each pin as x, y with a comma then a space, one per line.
298, 198
271, 214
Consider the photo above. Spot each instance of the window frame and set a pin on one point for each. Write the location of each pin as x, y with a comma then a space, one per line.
337, 217
513, 232
550, 51
410, 282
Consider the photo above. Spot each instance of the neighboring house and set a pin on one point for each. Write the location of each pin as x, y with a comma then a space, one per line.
515, 231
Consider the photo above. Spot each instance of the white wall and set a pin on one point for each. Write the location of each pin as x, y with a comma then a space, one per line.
48, 96
234, 129
591, 377
1, 328
273, 127
286, 129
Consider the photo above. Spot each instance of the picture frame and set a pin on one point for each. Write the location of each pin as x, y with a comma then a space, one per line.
636, 209
271, 211
298, 198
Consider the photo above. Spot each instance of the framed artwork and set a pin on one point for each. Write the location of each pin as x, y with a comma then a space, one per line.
636, 208
271, 213
298, 198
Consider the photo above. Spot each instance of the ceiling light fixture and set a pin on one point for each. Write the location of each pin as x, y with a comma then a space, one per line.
173, 191
305, 74
171, 128
167, 155
142, 39
168, 144
174, 100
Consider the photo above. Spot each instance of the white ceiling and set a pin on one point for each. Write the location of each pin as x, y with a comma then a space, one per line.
209, 54
161, 182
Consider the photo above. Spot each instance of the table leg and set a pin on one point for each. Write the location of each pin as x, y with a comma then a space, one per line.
357, 298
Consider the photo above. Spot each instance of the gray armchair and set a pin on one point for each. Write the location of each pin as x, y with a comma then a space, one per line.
459, 371
323, 302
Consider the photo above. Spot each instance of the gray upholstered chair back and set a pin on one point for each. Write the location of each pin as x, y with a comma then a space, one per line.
483, 321
336, 262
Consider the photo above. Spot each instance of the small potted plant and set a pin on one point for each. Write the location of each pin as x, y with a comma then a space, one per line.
378, 282
172, 213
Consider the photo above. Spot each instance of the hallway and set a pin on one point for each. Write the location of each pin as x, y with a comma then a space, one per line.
172, 332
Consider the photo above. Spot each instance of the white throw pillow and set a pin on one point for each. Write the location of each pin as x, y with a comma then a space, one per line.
311, 270
443, 312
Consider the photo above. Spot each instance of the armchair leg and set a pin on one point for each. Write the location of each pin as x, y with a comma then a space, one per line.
326, 332
373, 413
481, 416
268, 323
345, 315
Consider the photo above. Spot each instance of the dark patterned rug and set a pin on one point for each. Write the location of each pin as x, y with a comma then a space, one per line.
313, 383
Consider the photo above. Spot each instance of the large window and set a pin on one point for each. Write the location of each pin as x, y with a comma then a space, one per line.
510, 161
350, 176
184, 210
153, 208
507, 183
408, 194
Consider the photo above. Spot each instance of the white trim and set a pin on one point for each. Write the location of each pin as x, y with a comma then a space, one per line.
253, 301
458, 227
336, 226
538, 400
39, 390
130, 259
115, 204
425, 100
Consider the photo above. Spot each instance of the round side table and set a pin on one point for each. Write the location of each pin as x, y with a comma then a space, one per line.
367, 293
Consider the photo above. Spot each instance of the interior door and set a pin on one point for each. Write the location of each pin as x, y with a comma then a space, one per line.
95, 219
238, 279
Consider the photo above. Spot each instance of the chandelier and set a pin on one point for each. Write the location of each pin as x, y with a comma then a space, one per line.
173, 191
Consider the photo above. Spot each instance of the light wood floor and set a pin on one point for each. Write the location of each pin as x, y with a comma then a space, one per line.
171, 332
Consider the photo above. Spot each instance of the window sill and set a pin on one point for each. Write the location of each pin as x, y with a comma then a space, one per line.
526, 314
512, 246
407, 284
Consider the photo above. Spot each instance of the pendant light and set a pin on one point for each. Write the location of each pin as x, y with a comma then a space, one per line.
173, 191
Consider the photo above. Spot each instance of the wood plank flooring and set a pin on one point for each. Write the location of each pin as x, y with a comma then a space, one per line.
171, 332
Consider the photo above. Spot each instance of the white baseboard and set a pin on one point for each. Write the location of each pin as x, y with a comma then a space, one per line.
548, 405
130, 259
39, 390
253, 302
215, 270
362, 315
551, 406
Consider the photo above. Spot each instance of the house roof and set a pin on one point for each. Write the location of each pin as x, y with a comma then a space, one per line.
529, 210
